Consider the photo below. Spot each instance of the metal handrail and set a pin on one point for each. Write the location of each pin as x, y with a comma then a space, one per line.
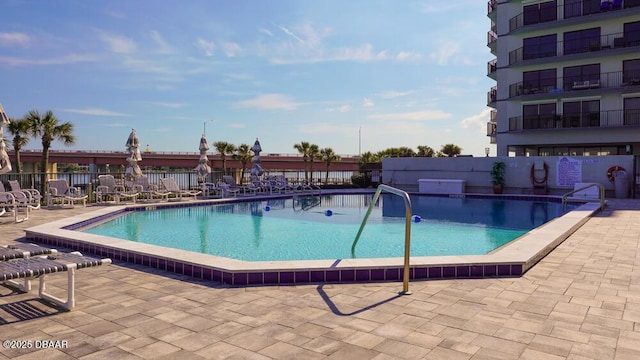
600, 187
407, 230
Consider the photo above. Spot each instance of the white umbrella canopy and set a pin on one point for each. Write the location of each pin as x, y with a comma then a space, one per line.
5, 162
203, 169
256, 169
133, 171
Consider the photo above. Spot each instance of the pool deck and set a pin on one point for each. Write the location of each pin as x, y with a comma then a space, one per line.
582, 301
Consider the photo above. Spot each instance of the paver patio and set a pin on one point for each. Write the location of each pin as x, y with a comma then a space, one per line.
582, 301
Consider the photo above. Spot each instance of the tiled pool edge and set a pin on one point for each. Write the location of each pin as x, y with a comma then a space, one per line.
511, 261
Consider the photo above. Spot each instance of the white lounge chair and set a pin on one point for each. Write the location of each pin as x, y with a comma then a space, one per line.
109, 190
148, 190
172, 187
60, 193
40, 267
15, 202
35, 198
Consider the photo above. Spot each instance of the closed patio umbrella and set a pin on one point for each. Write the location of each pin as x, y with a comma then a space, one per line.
5, 163
133, 146
203, 169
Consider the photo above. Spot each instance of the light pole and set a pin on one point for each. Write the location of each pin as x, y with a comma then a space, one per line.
359, 141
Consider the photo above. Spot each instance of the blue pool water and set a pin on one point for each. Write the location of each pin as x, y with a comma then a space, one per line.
300, 228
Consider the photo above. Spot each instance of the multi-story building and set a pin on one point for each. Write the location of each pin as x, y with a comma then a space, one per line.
568, 77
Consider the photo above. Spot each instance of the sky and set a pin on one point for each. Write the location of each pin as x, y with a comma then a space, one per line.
356, 76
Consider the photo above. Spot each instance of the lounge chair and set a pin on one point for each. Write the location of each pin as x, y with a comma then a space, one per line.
109, 190
172, 187
148, 190
35, 198
230, 187
15, 201
9, 252
40, 267
60, 193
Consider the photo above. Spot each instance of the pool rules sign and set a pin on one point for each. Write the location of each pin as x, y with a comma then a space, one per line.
568, 171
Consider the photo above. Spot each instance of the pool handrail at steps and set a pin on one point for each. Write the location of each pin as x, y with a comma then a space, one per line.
600, 187
407, 229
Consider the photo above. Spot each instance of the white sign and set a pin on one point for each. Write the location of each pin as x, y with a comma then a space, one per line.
569, 171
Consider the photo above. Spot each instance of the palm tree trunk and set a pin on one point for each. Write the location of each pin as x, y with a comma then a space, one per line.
326, 179
43, 169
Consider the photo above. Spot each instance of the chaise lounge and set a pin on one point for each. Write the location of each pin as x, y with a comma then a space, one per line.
40, 267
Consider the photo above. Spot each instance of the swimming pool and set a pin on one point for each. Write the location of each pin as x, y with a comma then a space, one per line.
513, 259
323, 227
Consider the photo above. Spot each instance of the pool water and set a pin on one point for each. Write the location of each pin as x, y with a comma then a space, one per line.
308, 228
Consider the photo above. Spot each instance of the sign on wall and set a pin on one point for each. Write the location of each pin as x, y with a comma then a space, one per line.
569, 171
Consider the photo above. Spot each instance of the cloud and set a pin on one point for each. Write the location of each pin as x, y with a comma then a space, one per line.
270, 102
291, 34
237, 126
396, 94
366, 102
424, 115
118, 44
231, 49
208, 47
94, 112
163, 46
168, 104
69, 59
324, 128
444, 52
363, 54
479, 120
14, 38
265, 31
408, 56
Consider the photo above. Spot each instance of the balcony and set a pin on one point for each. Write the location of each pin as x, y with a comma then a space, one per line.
562, 12
580, 46
491, 39
602, 119
492, 6
492, 67
560, 85
491, 128
492, 96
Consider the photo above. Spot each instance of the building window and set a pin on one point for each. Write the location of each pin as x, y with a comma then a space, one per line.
574, 8
581, 113
538, 116
538, 81
581, 77
631, 72
539, 47
632, 111
540, 13
632, 34
581, 41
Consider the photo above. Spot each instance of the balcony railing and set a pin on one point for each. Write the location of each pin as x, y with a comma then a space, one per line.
493, 116
492, 96
617, 79
602, 119
584, 8
492, 5
491, 128
492, 66
491, 38
584, 45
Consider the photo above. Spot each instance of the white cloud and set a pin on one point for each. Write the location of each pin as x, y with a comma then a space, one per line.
396, 94
408, 56
270, 102
163, 46
265, 31
69, 59
290, 33
118, 44
366, 102
444, 52
14, 38
477, 121
94, 112
168, 104
208, 47
231, 49
424, 115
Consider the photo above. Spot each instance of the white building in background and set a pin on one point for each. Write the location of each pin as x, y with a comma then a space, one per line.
568, 77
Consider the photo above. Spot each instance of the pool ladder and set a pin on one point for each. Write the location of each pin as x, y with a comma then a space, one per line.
566, 197
407, 230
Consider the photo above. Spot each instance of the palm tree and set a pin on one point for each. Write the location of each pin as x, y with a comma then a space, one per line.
327, 155
303, 149
224, 148
49, 128
243, 152
20, 131
425, 151
368, 157
451, 150
314, 153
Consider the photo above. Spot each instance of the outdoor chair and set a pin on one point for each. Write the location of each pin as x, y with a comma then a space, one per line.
230, 186
23, 250
148, 190
14, 201
110, 190
172, 187
40, 267
60, 193
35, 198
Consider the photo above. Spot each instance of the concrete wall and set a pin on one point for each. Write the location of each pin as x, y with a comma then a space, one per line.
405, 172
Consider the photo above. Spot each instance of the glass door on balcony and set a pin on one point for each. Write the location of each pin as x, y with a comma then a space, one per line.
632, 111
581, 113
581, 77
538, 116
